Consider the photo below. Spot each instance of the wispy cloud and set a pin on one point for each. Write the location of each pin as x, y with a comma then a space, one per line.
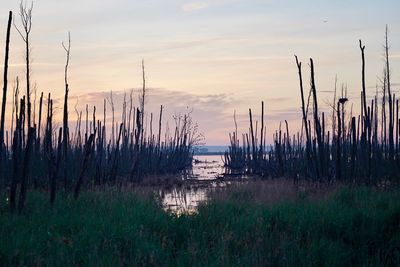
193, 6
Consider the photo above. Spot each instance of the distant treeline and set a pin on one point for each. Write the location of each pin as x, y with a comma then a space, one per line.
361, 148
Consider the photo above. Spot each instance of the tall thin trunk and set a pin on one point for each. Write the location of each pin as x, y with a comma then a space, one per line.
390, 102
317, 123
362, 48
65, 142
338, 149
5, 83
88, 150
25, 169
40, 119
159, 126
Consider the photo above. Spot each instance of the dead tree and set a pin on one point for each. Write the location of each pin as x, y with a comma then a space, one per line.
25, 169
253, 145
16, 155
111, 102
333, 109
364, 103
305, 120
85, 163
53, 183
135, 152
159, 127
142, 100
65, 141
262, 131
338, 149
390, 101
383, 121
4, 99
114, 166
317, 123
26, 20
5, 82
40, 120
15, 103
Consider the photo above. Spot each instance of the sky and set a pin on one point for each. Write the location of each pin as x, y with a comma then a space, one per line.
213, 56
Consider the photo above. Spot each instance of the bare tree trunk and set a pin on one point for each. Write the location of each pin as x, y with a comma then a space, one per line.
305, 120
114, 167
354, 146
40, 119
159, 127
111, 102
338, 149
262, 131
65, 142
26, 20
317, 124
138, 132
17, 151
5, 83
142, 101
25, 169
4, 99
88, 150
391, 139
364, 103
253, 145
53, 185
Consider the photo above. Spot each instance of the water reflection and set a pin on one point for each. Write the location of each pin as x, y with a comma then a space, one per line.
183, 200
206, 175
205, 168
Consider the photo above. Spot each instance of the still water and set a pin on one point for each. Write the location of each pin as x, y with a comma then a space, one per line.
206, 175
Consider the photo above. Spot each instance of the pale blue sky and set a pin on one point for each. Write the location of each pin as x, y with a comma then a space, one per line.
216, 55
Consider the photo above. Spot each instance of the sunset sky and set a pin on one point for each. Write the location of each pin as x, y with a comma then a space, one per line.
213, 56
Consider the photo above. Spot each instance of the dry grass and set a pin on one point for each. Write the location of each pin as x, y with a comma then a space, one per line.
269, 192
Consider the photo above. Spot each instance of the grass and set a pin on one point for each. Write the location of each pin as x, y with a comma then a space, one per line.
351, 227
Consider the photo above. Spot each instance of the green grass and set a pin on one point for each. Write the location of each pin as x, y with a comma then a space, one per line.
352, 228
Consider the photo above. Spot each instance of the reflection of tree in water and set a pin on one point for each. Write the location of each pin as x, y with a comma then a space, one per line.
184, 199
